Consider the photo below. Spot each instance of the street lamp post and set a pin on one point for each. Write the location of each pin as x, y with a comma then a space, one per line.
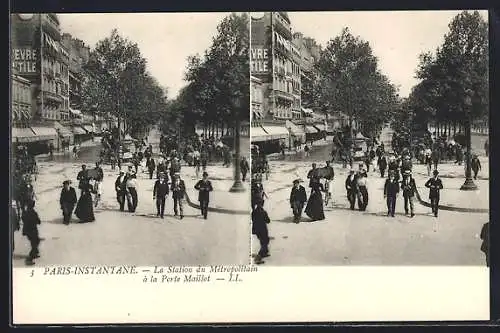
469, 184
238, 184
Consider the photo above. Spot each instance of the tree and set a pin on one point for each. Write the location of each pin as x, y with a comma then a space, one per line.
216, 78
118, 83
350, 82
459, 64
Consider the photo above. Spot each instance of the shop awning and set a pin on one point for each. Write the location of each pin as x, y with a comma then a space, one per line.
257, 115
77, 130
320, 127
311, 130
88, 128
75, 112
45, 133
258, 134
294, 129
23, 135
307, 112
276, 132
62, 130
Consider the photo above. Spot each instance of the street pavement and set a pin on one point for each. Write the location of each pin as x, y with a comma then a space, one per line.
348, 237
138, 238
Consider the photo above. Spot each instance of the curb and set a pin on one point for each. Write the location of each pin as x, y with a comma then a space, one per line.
452, 209
217, 210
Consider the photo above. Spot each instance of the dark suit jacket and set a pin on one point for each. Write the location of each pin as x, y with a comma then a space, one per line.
351, 185
180, 191
409, 189
68, 196
204, 189
260, 219
121, 185
160, 190
298, 194
434, 185
151, 164
391, 189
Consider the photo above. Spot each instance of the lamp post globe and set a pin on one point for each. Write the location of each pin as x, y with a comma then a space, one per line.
238, 184
469, 184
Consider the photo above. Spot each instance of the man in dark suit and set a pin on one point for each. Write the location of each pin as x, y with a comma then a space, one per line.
298, 198
391, 190
204, 187
352, 188
409, 189
312, 174
67, 200
260, 220
150, 164
475, 165
178, 193
121, 189
160, 192
435, 185
82, 178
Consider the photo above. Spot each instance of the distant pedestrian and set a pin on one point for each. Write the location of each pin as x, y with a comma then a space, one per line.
244, 167
83, 179
257, 190
382, 165
351, 188
298, 198
99, 177
160, 193
475, 165
112, 161
391, 190
204, 186
306, 150
150, 164
260, 220
428, 163
178, 194
486, 147
31, 220
409, 189
67, 200
435, 155
435, 185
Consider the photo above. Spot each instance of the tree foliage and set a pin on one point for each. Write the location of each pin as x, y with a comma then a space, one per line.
117, 83
459, 68
351, 82
215, 80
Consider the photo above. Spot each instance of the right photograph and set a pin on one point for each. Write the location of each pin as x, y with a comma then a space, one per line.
370, 138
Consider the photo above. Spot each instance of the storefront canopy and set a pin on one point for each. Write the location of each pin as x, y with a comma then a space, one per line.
258, 134
276, 132
294, 129
88, 128
311, 130
45, 133
63, 131
23, 135
77, 130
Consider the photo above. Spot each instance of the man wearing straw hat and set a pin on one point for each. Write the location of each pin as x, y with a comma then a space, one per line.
298, 198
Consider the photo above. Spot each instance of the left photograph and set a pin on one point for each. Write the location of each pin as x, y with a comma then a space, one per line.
130, 139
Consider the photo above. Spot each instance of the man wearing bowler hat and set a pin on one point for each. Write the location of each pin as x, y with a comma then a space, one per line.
178, 193
67, 200
409, 189
160, 192
298, 198
435, 185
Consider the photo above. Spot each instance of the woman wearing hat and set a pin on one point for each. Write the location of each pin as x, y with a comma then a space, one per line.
435, 185
84, 208
67, 200
314, 208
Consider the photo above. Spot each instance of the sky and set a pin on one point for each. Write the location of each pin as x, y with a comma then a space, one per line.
397, 38
165, 39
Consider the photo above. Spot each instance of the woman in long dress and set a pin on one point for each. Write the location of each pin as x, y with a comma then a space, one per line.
314, 208
84, 208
